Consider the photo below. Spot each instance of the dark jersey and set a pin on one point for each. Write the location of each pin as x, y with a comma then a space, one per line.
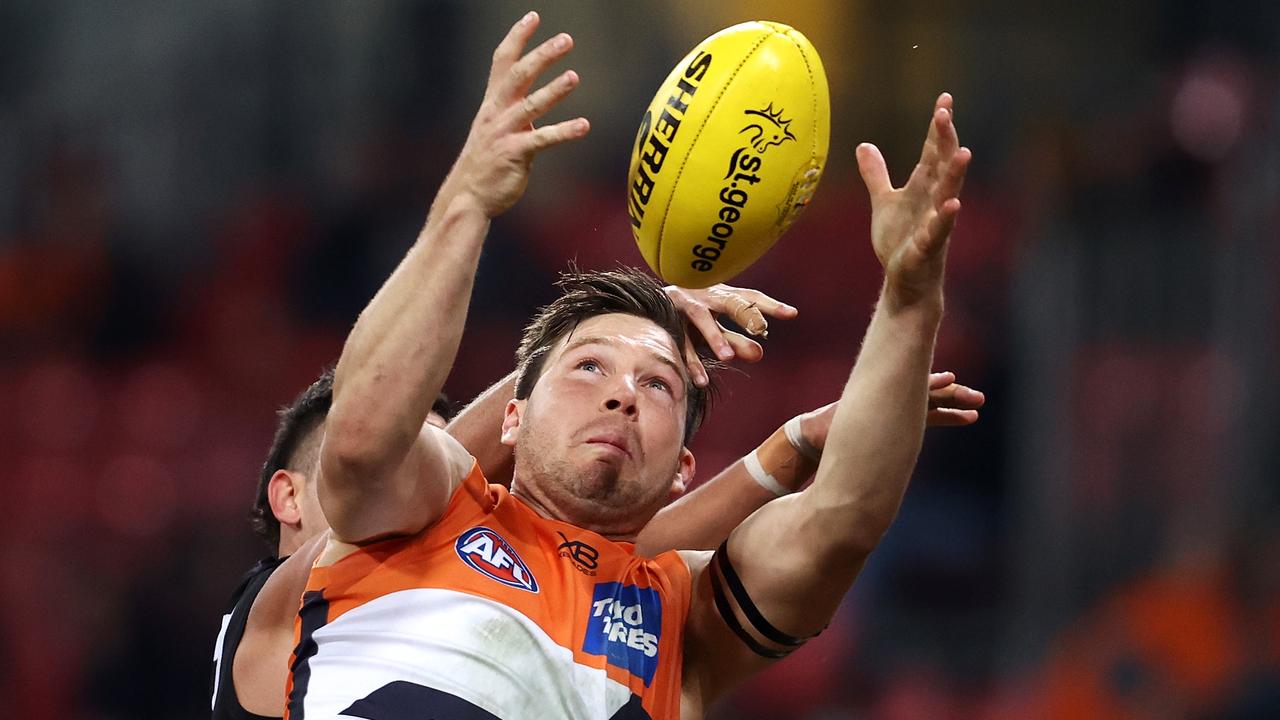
226, 704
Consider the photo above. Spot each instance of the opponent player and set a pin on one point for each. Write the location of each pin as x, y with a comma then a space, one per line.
442, 595
257, 632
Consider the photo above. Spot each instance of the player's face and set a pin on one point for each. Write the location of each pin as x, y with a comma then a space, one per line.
601, 433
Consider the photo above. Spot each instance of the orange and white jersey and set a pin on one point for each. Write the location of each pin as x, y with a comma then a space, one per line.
492, 611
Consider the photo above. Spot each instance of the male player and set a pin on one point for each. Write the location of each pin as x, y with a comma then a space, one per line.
252, 651
439, 594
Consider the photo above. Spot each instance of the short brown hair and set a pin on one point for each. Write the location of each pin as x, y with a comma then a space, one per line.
604, 292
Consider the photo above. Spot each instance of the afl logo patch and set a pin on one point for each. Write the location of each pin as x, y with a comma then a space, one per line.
485, 551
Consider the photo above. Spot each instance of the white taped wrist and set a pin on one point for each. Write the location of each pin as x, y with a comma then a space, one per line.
758, 473
797, 440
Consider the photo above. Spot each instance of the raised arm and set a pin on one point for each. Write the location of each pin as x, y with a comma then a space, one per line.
784, 571
780, 466
382, 471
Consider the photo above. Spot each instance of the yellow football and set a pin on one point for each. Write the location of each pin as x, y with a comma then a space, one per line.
729, 152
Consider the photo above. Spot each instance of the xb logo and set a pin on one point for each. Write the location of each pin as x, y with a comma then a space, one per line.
581, 554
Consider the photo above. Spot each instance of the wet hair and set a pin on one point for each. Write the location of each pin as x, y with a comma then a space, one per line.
588, 294
296, 447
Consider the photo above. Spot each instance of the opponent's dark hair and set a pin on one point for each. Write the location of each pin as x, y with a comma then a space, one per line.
296, 431
296, 447
603, 292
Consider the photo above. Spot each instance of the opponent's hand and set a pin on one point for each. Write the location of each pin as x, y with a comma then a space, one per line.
493, 167
952, 404
910, 225
746, 307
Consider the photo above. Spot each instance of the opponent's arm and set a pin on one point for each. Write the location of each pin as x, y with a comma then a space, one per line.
260, 669
479, 428
702, 519
382, 471
783, 572
780, 466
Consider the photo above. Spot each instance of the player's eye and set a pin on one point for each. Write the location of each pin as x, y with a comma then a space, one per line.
589, 365
659, 384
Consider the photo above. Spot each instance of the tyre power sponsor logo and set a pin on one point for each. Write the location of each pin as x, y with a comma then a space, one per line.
625, 625
492, 556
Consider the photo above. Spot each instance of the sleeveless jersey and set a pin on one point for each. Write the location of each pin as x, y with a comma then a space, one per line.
492, 612
226, 704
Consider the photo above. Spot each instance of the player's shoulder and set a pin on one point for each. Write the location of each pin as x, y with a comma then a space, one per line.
252, 581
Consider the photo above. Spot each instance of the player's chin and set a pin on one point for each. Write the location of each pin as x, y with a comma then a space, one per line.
599, 478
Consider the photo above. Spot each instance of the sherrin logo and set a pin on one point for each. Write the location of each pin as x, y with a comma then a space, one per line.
655, 138
485, 551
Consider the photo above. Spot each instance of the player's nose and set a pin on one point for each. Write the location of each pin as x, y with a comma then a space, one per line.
621, 396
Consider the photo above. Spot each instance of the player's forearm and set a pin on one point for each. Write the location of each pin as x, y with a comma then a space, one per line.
402, 347
478, 428
878, 427
702, 519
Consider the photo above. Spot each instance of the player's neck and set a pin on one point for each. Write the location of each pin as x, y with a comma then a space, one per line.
581, 513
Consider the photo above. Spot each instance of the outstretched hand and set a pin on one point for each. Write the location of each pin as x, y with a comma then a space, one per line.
910, 225
950, 405
744, 306
493, 167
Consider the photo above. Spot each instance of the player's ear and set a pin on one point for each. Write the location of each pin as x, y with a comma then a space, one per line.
684, 473
283, 493
511, 421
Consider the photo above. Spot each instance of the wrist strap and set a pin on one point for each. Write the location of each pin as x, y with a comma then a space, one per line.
796, 437
761, 476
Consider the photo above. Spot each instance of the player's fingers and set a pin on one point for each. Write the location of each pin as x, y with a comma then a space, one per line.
951, 418
697, 371
508, 51
940, 380
966, 398
744, 348
956, 397
536, 104
768, 305
929, 151
953, 179
940, 224
875, 174
519, 78
734, 303
948, 140
544, 137
705, 323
